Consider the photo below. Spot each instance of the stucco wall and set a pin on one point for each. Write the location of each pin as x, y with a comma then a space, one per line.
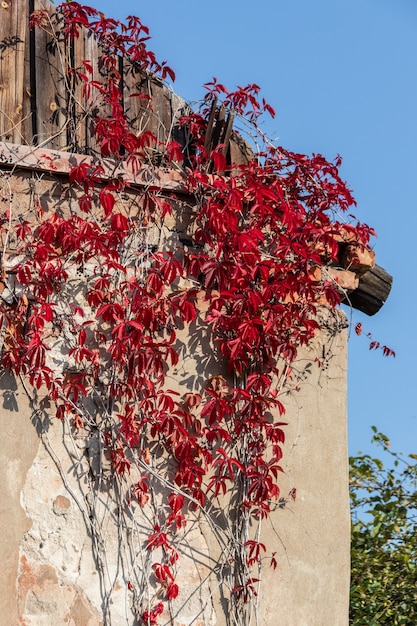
69, 549
311, 534
50, 567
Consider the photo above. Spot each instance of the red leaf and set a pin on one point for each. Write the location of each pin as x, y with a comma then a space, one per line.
176, 502
119, 222
172, 591
79, 173
107, 201
174, 151
219, 161
162, 572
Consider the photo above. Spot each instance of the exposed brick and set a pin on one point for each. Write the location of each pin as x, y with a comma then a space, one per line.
345, 234
316, 274
45, 599
358, 258
61, 505
344, 278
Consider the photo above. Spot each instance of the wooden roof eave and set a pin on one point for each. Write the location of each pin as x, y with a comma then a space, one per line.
39, 159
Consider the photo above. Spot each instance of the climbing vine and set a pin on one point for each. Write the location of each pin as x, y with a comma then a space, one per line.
102, 303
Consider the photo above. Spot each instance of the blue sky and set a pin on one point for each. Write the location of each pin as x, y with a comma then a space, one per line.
342, 75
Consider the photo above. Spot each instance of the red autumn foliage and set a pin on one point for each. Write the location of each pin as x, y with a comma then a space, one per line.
260, 230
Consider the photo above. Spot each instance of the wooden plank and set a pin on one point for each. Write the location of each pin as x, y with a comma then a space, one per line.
181, 133
209, 130
219, 128
151, 113
27, 119
240, 151
161, 119
85, 105
228, 133
42, 159
138, 110
14, 95
50, 87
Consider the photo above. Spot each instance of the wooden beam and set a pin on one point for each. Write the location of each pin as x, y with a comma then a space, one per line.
373, 290
59, 162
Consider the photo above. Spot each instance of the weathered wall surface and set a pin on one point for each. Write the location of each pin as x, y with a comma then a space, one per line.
19, 449
311, 534
74, 548
54, 574
69, 550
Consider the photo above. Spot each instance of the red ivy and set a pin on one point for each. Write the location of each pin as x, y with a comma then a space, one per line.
260, 230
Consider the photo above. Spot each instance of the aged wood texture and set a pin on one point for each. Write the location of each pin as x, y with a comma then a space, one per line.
84, 105
373, 290
147, 105
49, 61
44, 102
15, 93
44, 160
151, 107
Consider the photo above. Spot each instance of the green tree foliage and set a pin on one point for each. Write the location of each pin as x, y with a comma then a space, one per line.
384, 538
